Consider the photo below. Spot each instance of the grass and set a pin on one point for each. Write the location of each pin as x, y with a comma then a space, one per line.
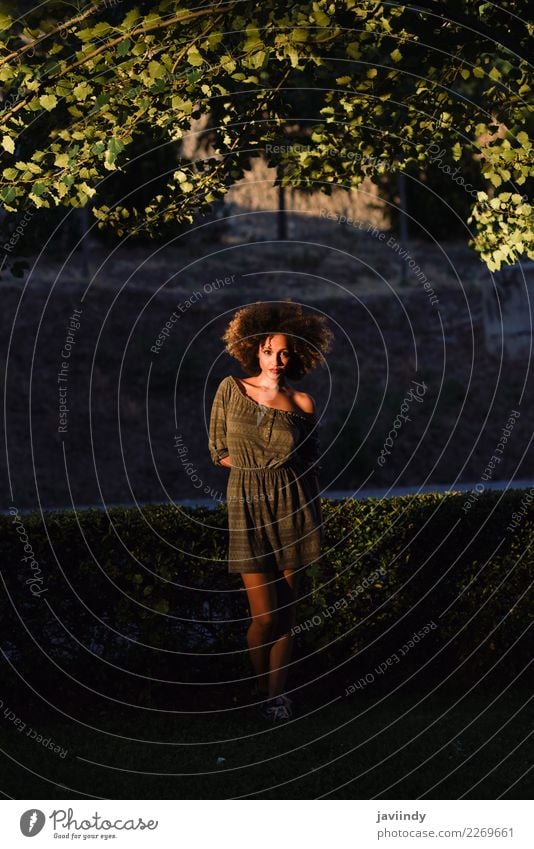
358, 747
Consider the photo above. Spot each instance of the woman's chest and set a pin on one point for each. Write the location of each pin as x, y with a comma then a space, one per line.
266, 427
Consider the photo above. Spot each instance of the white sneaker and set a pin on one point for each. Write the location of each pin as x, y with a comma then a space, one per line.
277, 709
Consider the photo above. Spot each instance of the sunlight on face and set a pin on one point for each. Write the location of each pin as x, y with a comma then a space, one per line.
274, 354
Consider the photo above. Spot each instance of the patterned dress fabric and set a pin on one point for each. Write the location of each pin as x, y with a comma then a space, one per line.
274, 508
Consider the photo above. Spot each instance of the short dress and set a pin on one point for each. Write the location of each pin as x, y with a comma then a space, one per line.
275, 518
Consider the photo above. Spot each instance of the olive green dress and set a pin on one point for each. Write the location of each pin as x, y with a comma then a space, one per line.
275, 518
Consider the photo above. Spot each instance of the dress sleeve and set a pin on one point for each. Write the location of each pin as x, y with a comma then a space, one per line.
217, 445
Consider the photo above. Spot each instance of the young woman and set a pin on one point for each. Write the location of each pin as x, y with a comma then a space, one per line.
265, 431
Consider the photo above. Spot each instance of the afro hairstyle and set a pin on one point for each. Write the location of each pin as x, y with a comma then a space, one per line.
309, 335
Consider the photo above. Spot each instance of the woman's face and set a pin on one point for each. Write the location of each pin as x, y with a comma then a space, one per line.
274, 354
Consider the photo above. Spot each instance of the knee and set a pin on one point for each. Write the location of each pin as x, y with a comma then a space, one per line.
266, 622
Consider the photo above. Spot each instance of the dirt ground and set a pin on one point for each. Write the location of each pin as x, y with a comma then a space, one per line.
123, 403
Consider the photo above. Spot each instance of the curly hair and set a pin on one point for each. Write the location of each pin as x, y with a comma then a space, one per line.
309, 335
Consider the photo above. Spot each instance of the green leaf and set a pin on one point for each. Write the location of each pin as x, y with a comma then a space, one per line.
194, 57
181, 105
130, 19
62, 160
114, 147
8, 193
321, 18
33, 168
214, 39
396, 55
156, 69
123, 47
101, 28
353, 50
227, 63
82, 90
299, 35
48, 101
257, 59
85, 35
253, 40
60, 188
38, 189
8, 144
457, 151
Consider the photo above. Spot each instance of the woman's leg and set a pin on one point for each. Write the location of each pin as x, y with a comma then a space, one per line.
262, 599
280, 655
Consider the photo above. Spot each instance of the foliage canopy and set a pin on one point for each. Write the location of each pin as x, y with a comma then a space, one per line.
386, 83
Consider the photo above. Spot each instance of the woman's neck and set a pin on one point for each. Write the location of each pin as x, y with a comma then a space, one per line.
268, 382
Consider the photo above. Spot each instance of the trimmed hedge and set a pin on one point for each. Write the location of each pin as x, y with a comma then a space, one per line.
148, 591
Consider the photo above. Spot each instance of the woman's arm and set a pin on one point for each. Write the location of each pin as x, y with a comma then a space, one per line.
217, 444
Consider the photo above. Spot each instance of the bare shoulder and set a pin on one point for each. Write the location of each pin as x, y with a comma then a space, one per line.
304, 401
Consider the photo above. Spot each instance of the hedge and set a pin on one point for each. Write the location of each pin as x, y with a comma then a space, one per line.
147, 590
